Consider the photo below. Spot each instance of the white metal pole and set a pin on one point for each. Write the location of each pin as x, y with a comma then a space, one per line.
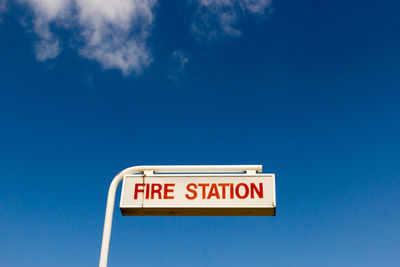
105, 243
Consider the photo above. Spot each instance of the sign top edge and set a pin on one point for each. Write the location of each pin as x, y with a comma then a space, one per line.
203, 175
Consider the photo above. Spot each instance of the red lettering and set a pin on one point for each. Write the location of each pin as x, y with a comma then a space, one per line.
231, 191
137, 190
213, 192
193, 191
246, 189
259, 192
223, 189
154, 190
204, 190
147, 191
166, 191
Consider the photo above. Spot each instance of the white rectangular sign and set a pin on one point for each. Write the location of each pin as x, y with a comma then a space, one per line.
199, 194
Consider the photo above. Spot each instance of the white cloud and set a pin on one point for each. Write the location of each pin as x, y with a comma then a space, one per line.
214, 18
47, 12
112, 32
115, 32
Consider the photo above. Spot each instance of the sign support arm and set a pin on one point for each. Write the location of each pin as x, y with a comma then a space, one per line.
105, 244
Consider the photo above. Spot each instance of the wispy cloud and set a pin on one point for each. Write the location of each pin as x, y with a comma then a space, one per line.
177, 64
115, 32
46, 12
111, 32
3, 7
215, 18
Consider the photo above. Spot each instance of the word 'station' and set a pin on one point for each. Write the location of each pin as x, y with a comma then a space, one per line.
198, 195
201, 190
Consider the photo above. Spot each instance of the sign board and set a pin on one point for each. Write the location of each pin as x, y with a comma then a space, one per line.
199, 195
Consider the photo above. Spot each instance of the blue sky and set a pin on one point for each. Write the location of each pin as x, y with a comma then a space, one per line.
309, 89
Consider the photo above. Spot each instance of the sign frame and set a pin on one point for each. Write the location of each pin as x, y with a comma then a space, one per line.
234, 208
149, 170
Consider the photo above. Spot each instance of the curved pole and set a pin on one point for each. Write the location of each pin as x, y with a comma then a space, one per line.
105, 243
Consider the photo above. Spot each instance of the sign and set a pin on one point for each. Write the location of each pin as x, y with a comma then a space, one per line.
199, 195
